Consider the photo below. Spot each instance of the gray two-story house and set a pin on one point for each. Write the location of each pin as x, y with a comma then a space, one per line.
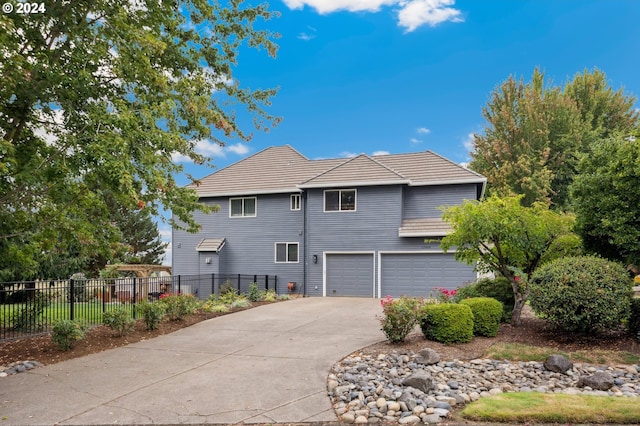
362, 226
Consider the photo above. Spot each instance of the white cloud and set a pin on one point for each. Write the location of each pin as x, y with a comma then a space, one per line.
415, 141
238, 148
306, 37
211, 149
348, 154
411, 13
381, 153
415, 13
469, 142
423, 131
328, 6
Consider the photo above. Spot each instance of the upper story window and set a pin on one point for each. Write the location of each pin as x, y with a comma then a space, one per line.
339, 200
242, 207
295, 201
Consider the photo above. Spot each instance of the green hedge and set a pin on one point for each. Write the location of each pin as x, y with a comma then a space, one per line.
447, 322
487, 313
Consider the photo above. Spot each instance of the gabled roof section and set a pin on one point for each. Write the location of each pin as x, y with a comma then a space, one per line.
361, 170
273, 170
282, 169
429, 168
211, 244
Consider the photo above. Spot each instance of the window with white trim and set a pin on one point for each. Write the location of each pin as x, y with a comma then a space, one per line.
286, 252
339, 200
295, 201
243, 207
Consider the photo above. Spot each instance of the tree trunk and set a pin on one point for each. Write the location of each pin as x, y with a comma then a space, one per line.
520, 301
520, 295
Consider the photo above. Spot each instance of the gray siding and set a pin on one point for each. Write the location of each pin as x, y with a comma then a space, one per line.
250, 241
372, 227
424, 201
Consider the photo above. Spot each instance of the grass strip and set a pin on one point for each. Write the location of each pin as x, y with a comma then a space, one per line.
522, 407
522, 352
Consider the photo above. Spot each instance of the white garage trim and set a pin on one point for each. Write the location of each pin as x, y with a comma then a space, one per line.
324, 268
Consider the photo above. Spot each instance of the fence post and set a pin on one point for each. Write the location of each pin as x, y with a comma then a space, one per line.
72, 297
213, 283
275, 284
179, 290
266, 282
133, 300
238, 283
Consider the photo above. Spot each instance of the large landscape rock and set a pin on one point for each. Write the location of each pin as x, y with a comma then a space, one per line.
558, 364
427, 356
420, 380
598, 381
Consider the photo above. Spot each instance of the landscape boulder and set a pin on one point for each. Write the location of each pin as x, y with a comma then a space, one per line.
420, 380
427, 356
597, 381
558, 364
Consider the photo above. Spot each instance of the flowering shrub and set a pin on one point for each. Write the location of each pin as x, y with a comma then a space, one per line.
177, 306
399, 317
445, 295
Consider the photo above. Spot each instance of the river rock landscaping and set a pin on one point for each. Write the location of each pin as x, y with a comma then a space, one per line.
409, 388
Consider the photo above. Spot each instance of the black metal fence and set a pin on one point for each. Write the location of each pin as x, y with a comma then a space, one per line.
28, 308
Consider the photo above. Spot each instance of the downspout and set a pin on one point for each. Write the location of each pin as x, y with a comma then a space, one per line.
304, 243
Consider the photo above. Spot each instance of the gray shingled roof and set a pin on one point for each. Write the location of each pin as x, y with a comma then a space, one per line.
358, 171
282, 169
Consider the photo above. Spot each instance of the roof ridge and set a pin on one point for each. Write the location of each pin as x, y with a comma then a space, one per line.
391, 169
347, 160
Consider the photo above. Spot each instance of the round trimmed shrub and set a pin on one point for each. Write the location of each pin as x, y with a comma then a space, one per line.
498, 288
447, 322
487, 313
581, 294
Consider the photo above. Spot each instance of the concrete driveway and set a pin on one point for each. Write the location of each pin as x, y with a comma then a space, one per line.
264, 365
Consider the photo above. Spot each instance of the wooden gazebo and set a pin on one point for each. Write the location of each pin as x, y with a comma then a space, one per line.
142, 271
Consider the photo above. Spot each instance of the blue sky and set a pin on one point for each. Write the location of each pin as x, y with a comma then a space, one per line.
369, 76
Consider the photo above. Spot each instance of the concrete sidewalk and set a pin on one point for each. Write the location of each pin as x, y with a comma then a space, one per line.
264, 365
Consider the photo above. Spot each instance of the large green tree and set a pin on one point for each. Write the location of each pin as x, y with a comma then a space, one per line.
536, 133
606, 199
502, 236
97, 96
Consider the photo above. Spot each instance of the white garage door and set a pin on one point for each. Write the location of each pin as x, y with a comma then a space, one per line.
349, 275
416, 274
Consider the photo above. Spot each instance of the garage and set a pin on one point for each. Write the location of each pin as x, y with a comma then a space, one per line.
349, 274
416, 274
